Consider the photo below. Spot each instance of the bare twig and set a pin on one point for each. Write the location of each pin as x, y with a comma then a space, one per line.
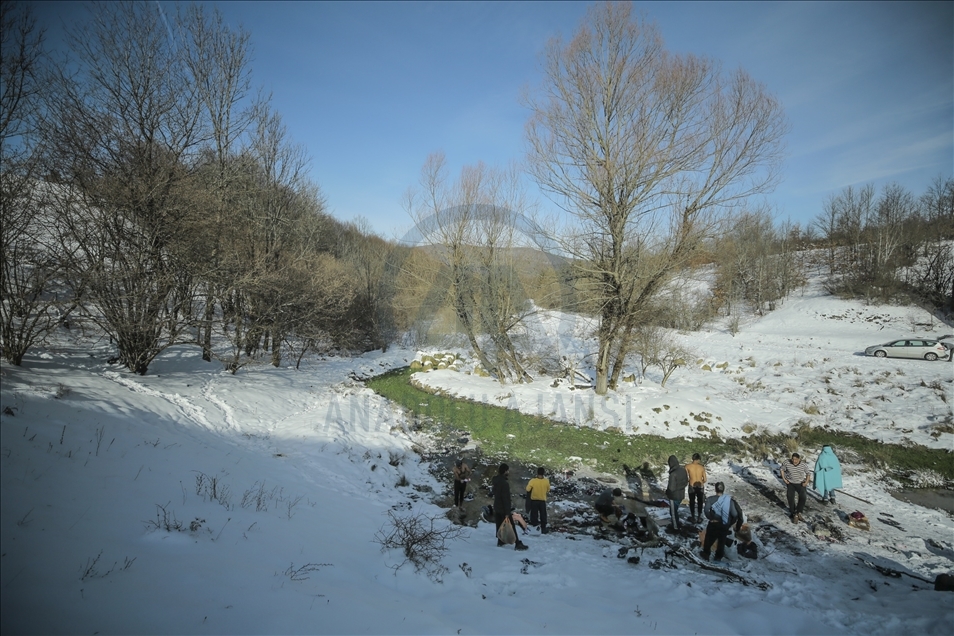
854, 497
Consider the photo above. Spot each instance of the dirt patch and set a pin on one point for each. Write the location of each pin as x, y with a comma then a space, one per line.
574, 490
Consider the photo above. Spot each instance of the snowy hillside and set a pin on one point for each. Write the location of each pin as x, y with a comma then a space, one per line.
191, 501
804, 363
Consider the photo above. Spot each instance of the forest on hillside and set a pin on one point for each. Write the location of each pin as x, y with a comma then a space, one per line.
151, 194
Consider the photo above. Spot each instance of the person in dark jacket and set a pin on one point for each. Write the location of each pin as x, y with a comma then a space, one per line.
722, 511
676, 489
608, 504
503, 504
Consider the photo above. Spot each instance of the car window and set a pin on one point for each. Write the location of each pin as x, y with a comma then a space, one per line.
896, 343
915, 343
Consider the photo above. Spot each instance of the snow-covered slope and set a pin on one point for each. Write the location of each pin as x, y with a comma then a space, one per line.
803, 363
280, 479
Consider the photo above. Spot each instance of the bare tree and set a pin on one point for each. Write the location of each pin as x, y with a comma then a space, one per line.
369, 255
125, 128
869, 238
935, 279
219, 60
29, 268
471, 223
268, 273
670, 357
645, 149
887, 232
756, 262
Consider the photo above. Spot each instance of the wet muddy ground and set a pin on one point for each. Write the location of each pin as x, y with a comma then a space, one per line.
572, 493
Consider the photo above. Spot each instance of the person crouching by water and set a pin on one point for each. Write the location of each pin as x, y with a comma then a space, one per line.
746, 547
503, 504
722, 511
609, 503
461, 477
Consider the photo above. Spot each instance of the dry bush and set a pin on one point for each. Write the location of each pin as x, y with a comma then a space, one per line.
421, 538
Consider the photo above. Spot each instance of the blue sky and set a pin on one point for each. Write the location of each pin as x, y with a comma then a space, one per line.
370, 89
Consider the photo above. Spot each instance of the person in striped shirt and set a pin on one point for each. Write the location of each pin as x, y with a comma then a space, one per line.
795, 474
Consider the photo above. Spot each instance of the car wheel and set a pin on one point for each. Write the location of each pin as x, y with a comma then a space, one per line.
881, 354
930, 357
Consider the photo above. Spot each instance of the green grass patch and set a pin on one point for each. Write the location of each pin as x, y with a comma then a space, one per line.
898, 460
538, 440
890, 457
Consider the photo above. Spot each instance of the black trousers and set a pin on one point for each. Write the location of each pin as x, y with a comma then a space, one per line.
606, 511
697, 499
796, 489
715, 531
538, 512
460, 487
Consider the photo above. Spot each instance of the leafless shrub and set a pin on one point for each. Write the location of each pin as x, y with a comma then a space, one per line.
165, 520
421, 538
91, 570
291, 503
669, 356
257, 496
301, 573
733, 324
211, 488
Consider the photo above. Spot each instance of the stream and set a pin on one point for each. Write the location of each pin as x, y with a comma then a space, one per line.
937, 498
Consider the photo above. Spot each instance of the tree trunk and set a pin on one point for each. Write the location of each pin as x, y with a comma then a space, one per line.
207, 327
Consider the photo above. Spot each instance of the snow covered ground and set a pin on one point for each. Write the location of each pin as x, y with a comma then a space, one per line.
804, 362
194, 501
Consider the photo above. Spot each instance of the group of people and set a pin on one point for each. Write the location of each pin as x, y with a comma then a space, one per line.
537, 490
722, 511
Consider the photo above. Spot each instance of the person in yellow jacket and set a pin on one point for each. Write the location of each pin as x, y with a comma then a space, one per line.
697, 487
538, 488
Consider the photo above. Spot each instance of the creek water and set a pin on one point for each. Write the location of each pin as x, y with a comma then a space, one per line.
938, 498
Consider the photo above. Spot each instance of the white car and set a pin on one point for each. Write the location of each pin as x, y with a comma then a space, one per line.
909, 348
948, 342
